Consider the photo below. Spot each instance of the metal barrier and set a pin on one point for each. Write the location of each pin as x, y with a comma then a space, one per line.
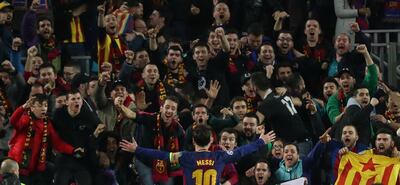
383, 37
385, 50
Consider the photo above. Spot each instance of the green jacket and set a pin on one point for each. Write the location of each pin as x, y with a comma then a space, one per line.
370, 80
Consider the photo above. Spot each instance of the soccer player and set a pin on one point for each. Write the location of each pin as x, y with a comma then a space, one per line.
203, 166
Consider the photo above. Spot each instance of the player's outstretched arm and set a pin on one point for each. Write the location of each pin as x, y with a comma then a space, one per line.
231, 156
146, 152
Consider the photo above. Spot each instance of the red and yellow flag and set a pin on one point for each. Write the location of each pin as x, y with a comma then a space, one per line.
367, 168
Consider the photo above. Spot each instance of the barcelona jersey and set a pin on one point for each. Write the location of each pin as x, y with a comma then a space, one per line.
202, 168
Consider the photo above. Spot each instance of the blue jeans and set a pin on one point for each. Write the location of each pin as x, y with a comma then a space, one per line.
145, 174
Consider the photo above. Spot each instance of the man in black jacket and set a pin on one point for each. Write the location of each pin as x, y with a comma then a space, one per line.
357, 113
346, 57
280, 114
208, 69
78, 126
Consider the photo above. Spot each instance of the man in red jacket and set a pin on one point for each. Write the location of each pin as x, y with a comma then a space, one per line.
33, 134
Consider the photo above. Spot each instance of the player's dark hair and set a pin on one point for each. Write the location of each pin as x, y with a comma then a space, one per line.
294, 81
201, 134
260, 81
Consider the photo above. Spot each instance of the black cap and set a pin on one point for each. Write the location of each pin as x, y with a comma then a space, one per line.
79, 79
244, 78
344, 70
118, 82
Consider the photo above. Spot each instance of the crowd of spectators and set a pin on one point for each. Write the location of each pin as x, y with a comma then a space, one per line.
79, 76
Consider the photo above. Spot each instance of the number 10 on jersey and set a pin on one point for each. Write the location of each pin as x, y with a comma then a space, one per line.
207, 177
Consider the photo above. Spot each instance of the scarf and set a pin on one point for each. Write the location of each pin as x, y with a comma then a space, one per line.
232, 66
251, 103
159, 87
111, 50
27, 154
170, 76
50, 43
342, 100
6, 103
318, 53
160, 172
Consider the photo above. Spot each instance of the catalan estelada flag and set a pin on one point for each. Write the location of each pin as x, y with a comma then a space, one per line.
367, 168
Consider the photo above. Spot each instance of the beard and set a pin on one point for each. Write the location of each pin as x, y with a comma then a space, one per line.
387, 153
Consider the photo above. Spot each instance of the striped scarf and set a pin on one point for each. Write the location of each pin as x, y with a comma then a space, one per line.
160, 172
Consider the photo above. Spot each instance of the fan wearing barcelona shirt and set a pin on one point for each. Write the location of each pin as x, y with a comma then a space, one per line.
203, 166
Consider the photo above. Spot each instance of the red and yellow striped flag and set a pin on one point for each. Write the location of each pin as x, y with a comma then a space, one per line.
367, 168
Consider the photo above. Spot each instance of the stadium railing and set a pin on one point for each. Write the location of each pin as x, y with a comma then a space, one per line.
385, 50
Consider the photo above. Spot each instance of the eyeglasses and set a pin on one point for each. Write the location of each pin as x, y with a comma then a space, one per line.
277, 146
